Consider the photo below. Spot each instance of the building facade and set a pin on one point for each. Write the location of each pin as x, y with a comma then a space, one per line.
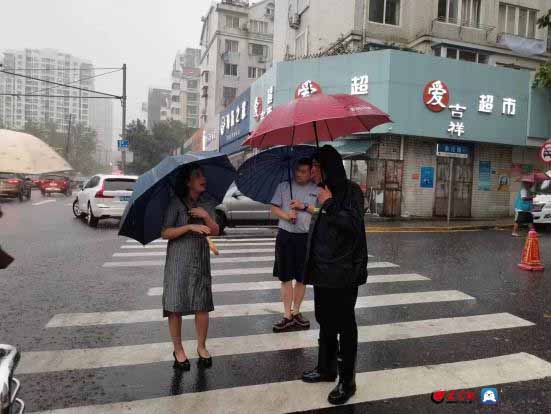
101, 120
236, 49
158, 106
52, 104
184, 98
495, 32
460, 130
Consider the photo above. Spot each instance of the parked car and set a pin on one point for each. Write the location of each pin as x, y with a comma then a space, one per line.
103, 196
15, 186
55, 183
237, 209
9, 385
542, 203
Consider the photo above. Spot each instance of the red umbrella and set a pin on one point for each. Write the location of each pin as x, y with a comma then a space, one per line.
535, 177
316, 118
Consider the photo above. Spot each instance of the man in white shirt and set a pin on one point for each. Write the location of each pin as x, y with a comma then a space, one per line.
294, 215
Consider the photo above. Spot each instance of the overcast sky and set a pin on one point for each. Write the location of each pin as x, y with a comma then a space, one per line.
144, 34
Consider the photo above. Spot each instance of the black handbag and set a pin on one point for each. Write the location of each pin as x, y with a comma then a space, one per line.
5, 259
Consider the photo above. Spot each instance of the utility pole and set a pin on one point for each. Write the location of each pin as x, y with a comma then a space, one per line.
123, 102
68, 141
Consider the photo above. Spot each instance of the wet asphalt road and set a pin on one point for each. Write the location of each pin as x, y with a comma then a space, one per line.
59, 269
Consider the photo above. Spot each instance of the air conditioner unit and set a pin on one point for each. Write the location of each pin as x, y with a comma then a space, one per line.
245, 26
294, 21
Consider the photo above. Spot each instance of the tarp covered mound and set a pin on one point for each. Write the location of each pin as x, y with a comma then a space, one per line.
27, 154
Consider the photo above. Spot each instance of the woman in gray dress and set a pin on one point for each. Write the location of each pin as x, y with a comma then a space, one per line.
187, 286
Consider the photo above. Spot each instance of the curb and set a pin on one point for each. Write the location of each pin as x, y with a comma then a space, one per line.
383, 229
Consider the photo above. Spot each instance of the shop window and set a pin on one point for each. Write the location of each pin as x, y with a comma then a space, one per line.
519, 21
385, 11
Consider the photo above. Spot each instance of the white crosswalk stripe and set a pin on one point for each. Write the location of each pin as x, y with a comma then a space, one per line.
293, 396
251, 309
251, 286
45, 361
251, 260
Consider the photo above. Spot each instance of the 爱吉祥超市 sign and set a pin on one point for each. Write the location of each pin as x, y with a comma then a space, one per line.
234, 121
437, 96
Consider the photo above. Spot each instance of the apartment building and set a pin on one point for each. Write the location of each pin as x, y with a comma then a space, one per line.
184, 97
494, 32
158, 106
236, 49
52, 104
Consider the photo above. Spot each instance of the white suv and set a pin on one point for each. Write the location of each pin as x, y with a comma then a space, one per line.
542, 203
104, 196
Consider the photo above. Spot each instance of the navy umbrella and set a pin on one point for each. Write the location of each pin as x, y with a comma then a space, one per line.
260, 175
143, 217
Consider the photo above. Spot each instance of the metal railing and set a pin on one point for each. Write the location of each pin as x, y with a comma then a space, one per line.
462, 23
9, 385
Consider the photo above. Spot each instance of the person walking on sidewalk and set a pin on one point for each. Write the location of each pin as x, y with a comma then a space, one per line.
523, 207
336, 265
290, 249
187, 286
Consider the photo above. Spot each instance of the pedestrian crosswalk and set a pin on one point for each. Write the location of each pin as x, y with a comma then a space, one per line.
242, 272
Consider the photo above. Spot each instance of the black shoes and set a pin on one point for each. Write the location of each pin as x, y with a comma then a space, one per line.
342, 392
315, 375
301, 322
283, 325
184, 366
204, 362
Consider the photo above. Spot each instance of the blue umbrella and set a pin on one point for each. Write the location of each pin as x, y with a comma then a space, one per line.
143, 217
260, 175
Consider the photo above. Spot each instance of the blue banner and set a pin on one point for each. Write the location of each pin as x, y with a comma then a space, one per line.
234, 121
427, 177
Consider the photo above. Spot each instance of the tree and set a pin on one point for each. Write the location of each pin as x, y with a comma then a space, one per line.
151, 147
543, 75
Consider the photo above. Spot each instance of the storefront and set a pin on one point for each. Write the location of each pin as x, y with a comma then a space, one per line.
234, 128
467, 127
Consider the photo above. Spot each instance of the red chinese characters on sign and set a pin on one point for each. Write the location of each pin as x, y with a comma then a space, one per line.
436, 96
545, 152
453, 396
307, 88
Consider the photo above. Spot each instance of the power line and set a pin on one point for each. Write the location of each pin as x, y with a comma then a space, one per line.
17, 95
48, 69
78, 80
61, 84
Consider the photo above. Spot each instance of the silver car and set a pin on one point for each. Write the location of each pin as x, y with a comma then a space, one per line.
237, 209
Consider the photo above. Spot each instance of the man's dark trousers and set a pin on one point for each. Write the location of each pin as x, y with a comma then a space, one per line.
334, 309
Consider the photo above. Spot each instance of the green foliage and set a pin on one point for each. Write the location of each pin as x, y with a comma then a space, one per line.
543, 75
150, 147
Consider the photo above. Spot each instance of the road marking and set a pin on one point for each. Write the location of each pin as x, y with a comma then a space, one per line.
73, 359
155, 263
251, 309
163, 246
297, 396
218, 239
69, 205
41, 203
269, 285
163, 253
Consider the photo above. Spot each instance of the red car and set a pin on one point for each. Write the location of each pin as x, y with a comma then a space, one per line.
53, 183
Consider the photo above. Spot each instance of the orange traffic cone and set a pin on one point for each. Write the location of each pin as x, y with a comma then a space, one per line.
531, 255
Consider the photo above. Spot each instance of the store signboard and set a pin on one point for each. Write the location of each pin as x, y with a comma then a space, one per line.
453, 150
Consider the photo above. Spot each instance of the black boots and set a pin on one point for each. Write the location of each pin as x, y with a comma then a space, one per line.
346, 386
326, 370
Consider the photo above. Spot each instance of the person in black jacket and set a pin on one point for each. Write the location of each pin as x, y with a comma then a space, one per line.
336, 265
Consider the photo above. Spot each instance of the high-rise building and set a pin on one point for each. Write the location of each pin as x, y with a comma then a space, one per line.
236, 49
184, 97
52, 104
101, 120
157, 106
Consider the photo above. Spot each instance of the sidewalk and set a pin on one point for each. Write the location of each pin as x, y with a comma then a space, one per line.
381, 224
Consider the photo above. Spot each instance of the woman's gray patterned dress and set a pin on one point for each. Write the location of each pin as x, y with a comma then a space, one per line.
187, 286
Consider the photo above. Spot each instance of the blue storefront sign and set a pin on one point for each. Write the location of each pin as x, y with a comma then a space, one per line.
234, 123
453, 150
